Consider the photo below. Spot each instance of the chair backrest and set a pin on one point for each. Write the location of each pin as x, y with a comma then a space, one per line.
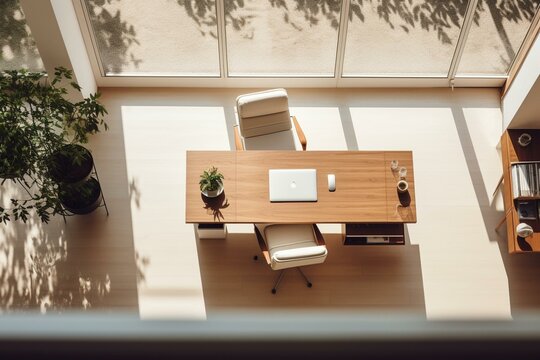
264, 112
291, 245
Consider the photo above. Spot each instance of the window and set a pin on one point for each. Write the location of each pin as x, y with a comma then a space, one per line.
17, 46
402, 37
244, 41
159, 37
497, 32
282, 38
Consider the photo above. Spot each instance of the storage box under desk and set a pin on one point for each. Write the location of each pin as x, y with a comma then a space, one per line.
374, 234
212, 231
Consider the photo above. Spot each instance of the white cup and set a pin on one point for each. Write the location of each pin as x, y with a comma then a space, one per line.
524, 139
524, 230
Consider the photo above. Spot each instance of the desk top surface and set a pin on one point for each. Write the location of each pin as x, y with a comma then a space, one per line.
365, 187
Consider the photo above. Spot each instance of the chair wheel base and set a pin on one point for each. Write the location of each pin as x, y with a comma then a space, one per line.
255, 257
274, 291
309, 284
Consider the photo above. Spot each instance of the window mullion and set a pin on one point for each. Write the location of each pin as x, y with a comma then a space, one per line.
467, 23
222, 45
342, 37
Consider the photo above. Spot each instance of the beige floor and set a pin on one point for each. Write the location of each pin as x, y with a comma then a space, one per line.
370, 279
144, 258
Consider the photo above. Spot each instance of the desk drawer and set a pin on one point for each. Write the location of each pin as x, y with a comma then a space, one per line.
373, 234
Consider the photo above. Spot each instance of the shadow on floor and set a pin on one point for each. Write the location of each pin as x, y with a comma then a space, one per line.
362, 278
523, 272
88, 262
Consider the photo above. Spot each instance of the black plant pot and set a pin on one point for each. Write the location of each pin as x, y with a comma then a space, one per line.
81, 198
64, 168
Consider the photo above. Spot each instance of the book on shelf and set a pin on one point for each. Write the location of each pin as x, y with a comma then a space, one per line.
526, 179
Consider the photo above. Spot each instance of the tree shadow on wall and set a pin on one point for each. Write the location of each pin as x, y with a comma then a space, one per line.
114, 36
17, 48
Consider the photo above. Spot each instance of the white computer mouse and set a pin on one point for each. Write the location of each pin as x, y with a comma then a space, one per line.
331, 182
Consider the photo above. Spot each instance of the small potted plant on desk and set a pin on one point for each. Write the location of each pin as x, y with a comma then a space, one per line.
211, 183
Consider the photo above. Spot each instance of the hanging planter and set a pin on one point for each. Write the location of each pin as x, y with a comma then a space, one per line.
81, 198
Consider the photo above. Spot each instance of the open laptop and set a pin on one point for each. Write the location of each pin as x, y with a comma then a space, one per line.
292, 184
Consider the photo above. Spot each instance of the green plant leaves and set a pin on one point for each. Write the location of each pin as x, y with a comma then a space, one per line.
211, 179
36, 120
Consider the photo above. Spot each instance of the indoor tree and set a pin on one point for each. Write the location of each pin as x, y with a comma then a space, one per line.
37, 121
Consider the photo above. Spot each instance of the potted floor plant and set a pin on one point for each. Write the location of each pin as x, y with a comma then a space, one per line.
72, 163
42, 133
82, 197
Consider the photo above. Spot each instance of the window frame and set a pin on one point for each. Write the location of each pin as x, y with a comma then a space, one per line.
224, 80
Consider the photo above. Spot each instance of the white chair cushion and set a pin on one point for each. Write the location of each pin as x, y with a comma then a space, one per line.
263, 125
263, 112
282, 237
292, 245
262, 103
300, 253
283, 140
311, 255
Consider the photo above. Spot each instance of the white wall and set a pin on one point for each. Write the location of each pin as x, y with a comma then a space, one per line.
521, 105
71, 33
59, 40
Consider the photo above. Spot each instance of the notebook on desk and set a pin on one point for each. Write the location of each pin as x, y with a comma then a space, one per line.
292, 185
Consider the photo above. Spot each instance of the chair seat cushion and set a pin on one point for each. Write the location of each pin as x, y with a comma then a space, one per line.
300, 253
291, 236
310, 255
292, 245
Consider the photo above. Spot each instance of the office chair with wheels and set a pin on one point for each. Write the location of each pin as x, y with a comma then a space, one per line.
287, 246
265, 122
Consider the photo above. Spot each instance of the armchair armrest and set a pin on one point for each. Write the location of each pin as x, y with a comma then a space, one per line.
318, 235
300, 133
237, 139
262, 245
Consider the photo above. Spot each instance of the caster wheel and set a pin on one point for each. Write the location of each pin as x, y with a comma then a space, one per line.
255, 257
273, 291
309, 284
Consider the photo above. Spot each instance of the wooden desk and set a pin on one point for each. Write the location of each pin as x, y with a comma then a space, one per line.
512, 152
365, 187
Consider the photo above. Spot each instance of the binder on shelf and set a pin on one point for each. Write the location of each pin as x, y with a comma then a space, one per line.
526, 179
